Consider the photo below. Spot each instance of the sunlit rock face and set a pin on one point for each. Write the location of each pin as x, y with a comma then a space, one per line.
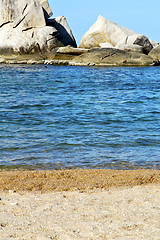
22, 13
155, 53
105, 32
25, 27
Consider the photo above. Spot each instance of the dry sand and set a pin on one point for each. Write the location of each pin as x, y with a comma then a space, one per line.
80, 204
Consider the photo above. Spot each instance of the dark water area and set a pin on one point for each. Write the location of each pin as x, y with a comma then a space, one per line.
87, 117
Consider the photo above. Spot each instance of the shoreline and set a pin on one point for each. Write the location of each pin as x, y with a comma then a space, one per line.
70, 59
75, 179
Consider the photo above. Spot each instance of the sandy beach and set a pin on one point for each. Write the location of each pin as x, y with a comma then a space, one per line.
80, 204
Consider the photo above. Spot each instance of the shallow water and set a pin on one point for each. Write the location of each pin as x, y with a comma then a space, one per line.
64, 117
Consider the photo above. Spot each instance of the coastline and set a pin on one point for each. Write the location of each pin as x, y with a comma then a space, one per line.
82, 59
75, 179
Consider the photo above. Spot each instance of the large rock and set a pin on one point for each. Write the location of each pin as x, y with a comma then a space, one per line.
22, 13
112, 56
155, 53
25, 27
135, 43
105, 31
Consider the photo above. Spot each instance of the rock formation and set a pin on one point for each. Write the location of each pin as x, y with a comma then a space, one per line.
28, 34
26, 27
105, 32
155, 53
112, 56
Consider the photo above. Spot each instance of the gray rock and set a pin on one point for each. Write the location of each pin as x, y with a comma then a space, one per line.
135, 43
105, 32
25, 27
34, 40
155, 53
22, 13
112, 56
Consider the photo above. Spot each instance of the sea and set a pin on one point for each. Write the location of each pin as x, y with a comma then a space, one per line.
63, 117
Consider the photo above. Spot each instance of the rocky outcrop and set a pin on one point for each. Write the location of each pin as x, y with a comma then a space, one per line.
25, 27
155, 53
112, 56
75, 56
104, 32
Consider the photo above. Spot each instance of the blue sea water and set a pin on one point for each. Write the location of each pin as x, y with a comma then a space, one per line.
71, 117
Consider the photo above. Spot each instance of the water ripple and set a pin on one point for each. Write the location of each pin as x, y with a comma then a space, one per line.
65, 117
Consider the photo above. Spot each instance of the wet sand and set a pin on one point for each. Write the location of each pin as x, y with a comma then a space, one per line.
77, 179
80, 204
